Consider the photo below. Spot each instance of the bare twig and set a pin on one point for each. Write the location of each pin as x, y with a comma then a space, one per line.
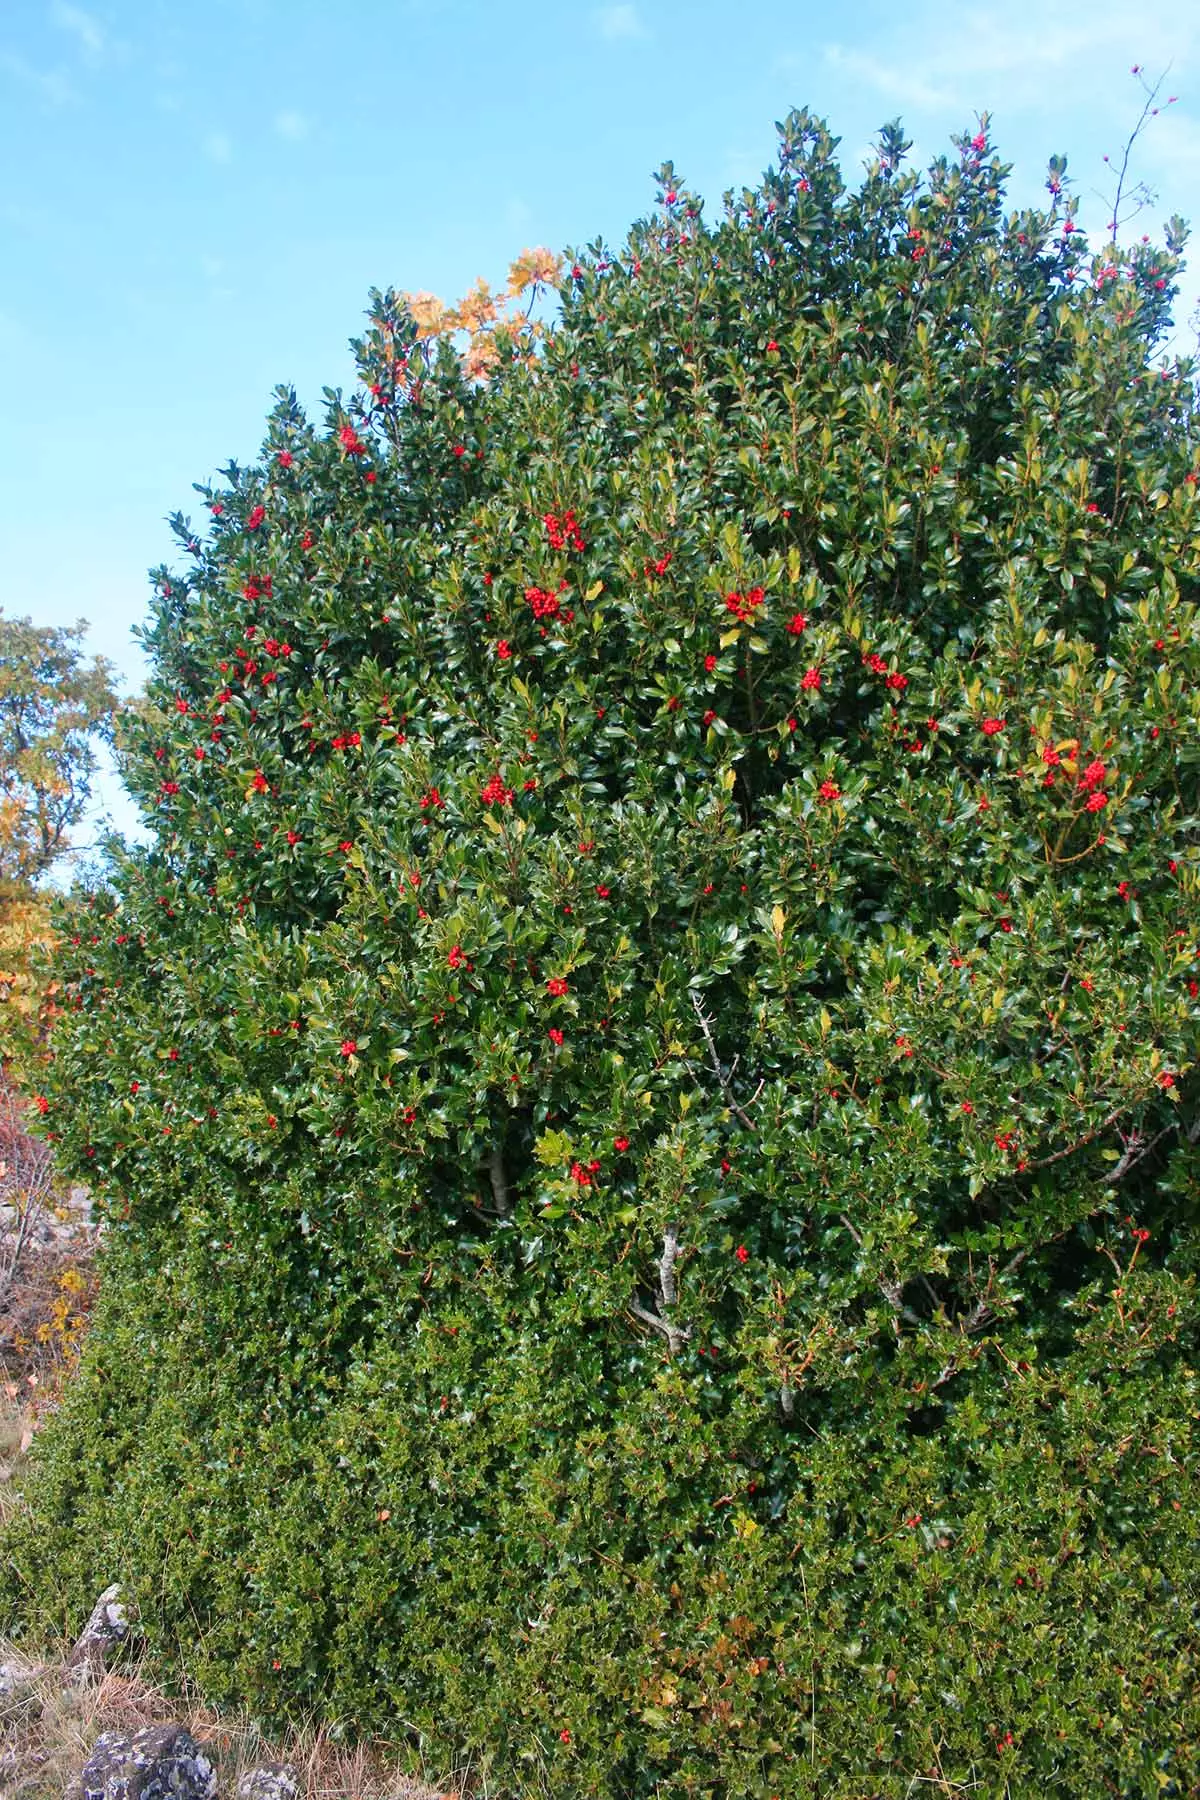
1143, 197
979, 1314
26, 1183
1135, 1151
719, 1072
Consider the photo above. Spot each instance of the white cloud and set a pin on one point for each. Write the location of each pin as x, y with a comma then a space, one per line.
617, 22
907, 87
1020, 56
82, 26
1175, 145
50, 84
218, 148
292, 125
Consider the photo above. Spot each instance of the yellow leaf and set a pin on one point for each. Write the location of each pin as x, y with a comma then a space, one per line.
533, 267
481, 358
430, 314
478, 308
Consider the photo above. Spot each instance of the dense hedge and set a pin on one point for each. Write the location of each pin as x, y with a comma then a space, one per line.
644, 1088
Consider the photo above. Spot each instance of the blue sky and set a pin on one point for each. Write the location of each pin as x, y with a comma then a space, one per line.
196, 199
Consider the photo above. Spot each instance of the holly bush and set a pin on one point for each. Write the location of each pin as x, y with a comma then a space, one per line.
644, 1090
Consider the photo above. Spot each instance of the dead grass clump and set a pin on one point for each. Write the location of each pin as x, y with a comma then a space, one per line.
49, 1724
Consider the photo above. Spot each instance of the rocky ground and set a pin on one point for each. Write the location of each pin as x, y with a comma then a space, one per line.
76, 1730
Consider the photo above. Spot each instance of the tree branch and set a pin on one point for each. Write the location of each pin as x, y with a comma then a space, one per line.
1136, 1149
979, 1314
1089, 1137
718, 1071
892, 1291
666, 1266
675, 1335
499, 1181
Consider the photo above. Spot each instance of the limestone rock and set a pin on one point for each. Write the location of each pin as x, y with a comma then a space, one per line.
12, 1676
20, 1698
270, 1781
163, 1762
107, 1626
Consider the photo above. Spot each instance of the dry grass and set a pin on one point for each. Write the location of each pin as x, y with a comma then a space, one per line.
48, 1728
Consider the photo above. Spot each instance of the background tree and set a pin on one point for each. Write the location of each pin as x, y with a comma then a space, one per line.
644, 1089
56, 708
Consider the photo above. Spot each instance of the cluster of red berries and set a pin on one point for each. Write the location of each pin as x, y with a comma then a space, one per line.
545, 604
563, 533
742, 605
495, 793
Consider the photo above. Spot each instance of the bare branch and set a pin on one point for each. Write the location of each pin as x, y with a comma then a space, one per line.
1148, 111
1135, 1151
892, 1291
719, 1072
499, 1181
675, 1335
666, 1266
980, 1314
981, 1310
